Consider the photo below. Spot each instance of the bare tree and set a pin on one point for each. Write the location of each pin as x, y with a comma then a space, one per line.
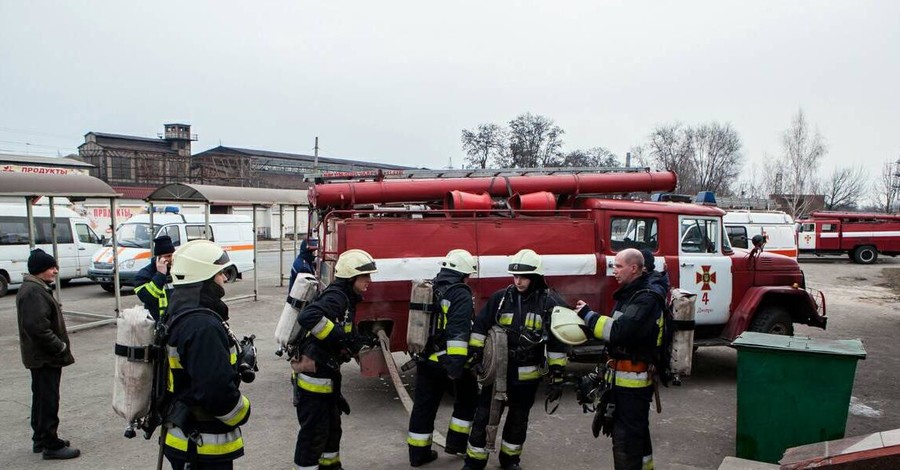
534, 141
802, 152
484, 145
844, 188
597, 156
706, 158
886, 190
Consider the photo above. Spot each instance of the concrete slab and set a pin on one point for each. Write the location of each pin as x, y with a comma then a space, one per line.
860, 452
734, 463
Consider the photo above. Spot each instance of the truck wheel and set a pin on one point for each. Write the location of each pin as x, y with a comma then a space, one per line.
4, 285
773, 320
108, 287
231, 274
865, 254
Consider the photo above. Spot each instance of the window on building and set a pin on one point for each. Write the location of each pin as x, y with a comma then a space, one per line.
633, 232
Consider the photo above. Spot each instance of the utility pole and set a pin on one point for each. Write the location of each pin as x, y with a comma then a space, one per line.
316, 154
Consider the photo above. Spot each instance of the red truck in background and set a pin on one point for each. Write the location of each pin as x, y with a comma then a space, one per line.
862, 236
408, 225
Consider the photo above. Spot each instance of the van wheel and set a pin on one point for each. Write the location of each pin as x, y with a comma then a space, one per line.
65, 282
865, 254
231, 274
108, 287
773, 320
4, 285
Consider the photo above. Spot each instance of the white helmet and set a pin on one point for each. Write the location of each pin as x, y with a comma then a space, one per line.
198, 261
525, 262
565, 325
353, 263
460, 261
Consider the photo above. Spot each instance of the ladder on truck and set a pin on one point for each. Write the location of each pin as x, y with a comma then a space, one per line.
424, 173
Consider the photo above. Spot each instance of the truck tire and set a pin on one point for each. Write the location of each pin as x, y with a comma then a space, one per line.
108, 287
4, 285
773, 320
865, 254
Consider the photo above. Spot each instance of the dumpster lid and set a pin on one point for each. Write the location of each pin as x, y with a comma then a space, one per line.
838, 347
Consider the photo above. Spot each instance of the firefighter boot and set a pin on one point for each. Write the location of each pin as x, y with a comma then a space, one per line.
431, 457
512, 466
63, 453
38, 447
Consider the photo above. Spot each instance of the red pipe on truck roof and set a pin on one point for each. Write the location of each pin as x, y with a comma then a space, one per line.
346, 195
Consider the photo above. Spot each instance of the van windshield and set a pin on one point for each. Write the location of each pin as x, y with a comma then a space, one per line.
135, 235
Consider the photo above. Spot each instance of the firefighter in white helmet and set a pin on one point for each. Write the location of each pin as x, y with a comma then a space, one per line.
523, 310
443, 364
207, 406
331, 341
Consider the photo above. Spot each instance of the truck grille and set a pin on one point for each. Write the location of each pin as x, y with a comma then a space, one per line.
103, 266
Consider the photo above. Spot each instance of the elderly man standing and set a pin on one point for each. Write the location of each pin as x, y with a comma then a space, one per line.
632, 334
45, 351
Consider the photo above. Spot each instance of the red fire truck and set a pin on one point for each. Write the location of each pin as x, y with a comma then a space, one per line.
408, 225
862, 236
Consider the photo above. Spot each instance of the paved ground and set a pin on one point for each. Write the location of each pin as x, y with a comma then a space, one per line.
695, 430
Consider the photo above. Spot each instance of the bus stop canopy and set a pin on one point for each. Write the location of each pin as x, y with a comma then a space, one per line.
75, 187
228, 195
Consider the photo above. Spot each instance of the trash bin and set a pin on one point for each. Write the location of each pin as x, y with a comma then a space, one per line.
791, 390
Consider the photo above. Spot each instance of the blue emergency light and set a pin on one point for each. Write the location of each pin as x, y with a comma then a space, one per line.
707, 198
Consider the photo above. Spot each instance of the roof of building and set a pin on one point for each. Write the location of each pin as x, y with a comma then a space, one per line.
130, 142
134, 192
70, 186
48, 161
220, 150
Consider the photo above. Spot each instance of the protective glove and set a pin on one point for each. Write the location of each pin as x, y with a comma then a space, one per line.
475, 356
582, 309
342, 404
554, 389
587, 331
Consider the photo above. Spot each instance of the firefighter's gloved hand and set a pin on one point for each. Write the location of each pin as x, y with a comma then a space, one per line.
587, 331
475, 356
582, 309
342, 404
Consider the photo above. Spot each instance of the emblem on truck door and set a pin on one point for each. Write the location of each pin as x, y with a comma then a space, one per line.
706, 277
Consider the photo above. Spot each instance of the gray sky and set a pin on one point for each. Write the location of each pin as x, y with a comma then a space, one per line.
395, 82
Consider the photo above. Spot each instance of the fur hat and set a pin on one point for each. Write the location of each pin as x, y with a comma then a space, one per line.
163, 246
39, 261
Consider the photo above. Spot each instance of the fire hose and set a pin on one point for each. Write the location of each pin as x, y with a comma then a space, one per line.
385, 343
494, 371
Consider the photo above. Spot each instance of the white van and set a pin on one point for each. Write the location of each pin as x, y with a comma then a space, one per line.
234, 233
75, 240
776, 226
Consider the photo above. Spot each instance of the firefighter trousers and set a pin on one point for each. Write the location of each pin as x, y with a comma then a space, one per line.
178, 464
520, 399
431, 384
632, 449
319, 437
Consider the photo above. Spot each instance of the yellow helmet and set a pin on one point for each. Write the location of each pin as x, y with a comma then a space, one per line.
198, 261
525, 262
460, 261
565, 325
353, 263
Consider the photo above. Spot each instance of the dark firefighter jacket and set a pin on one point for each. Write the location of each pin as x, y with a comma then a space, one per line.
455, 307
329, 320
43, 340
632, 332
526, 318
151, 289
204, 378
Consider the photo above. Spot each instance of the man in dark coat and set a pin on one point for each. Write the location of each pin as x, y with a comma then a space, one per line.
152, 279
305, 262
45, 351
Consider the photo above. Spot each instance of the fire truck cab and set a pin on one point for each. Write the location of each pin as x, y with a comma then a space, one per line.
862, 236
578, 235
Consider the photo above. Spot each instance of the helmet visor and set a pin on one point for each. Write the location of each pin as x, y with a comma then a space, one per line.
521, 268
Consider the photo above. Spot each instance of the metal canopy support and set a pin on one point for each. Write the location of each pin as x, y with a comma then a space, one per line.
58, 288
255, 267
116, 284
280, 245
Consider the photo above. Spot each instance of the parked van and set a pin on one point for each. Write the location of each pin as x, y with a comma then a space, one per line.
234, 233
75, 239
776, 226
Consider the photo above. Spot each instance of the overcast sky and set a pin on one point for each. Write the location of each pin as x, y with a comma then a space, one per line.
395, 82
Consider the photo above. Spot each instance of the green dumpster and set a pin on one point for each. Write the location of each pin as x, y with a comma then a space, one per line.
791, 390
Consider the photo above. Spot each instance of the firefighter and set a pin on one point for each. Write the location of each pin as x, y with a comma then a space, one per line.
442, 366
631, 334
523, 311
151, 281
305, 261
331, 341
207, 407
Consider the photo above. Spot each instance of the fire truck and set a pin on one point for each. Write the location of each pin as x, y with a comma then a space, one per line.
577, 227
862, 236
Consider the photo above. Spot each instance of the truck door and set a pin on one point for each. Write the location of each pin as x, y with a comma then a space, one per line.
807, 236
829, 232
87, 243
703, 269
